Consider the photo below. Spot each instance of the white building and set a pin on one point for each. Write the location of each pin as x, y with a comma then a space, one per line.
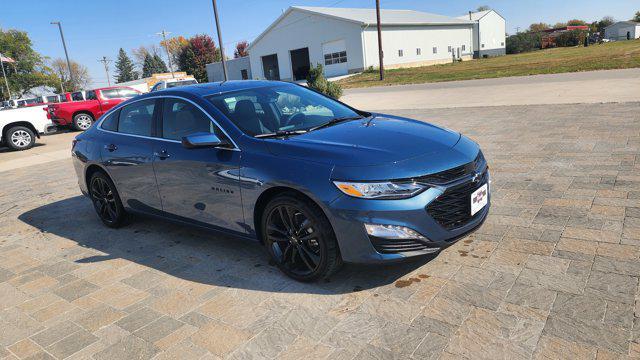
489, 33
346, 41
623, 30
237, 69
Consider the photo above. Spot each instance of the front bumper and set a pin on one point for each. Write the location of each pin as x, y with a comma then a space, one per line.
348, 216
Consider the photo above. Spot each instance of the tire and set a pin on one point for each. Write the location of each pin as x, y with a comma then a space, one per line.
303, 245
82, 121
20, 138
106, 201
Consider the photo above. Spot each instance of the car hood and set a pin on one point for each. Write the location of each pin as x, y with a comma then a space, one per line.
379, 139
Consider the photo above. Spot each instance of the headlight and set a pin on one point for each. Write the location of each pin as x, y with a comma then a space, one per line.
380, 190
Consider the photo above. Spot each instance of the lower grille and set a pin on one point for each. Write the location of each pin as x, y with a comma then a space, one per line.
452, 209
394, 246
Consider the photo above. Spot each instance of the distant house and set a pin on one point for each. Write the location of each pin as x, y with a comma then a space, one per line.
622, 30
489, 33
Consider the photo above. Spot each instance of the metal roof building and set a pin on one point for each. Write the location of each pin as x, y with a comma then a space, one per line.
344, 41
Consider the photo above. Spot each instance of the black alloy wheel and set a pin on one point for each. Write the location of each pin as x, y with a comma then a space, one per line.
299, 239
106, 200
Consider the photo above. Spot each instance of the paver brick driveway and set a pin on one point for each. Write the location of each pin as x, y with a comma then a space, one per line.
553, 273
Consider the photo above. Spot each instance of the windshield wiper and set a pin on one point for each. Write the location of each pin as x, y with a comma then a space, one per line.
335, 121
280, 133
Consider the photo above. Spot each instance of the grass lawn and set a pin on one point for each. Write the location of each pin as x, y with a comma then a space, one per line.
615, 55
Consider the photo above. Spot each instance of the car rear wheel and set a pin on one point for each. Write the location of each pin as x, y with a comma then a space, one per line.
299, 238
20, 138
82, 121
106, 201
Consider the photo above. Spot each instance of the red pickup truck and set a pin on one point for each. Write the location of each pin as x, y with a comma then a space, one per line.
81, 114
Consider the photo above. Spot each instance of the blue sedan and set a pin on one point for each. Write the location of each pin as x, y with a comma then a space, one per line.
318, 183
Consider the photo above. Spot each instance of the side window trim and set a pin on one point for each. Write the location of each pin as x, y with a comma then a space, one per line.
117, 108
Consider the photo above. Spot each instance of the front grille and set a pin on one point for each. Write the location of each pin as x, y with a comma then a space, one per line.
452, 209
394, 246
456, 173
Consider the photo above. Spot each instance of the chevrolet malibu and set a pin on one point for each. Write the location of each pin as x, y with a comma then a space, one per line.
316, 182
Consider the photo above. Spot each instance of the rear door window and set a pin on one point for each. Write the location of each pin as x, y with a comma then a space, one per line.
181, 118
137, 118
111, 121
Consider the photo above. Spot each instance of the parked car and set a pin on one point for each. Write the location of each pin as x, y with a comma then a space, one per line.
81, 114
20, 127
171, 83
317, 184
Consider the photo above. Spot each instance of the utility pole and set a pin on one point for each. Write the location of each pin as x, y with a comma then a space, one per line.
166, 47
106, 62
224, 65
64, 45
380, 54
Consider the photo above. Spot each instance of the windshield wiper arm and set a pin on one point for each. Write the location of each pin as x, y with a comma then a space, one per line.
335, 121
280, 133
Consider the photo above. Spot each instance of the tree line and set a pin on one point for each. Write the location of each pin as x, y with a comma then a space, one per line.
30, 70
188, 55
531, 38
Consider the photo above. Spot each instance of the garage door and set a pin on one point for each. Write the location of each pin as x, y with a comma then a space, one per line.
335, 58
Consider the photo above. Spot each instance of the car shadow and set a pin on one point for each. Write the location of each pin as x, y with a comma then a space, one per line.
193, 254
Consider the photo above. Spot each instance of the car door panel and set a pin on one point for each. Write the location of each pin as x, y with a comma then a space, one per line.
127, 154
198, 184
129, 162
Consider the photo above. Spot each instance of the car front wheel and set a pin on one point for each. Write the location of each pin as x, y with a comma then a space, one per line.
20, 138
299, 238
82, 121
106, 200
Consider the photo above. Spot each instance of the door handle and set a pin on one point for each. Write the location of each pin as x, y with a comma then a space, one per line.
110, 147
162, 154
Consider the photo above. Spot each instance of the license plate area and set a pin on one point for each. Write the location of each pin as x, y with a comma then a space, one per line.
479, 199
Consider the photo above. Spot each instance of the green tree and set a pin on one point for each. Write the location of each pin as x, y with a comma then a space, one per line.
636, 18
159, 64
523, 42
483, 8
317, 81
153, 64
194, 57
124, 68
29, 70
599, 26
537, 27
576, 22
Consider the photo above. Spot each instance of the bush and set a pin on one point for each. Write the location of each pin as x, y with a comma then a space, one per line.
571, 38
523, 42
317, 81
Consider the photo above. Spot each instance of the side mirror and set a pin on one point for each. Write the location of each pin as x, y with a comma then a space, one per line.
202, 139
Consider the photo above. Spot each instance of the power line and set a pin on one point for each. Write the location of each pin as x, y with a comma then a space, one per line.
166, 47
106, 62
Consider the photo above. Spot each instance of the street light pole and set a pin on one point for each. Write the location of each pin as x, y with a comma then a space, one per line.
166, 47
224, 65
64, 45
380, 54
106, 62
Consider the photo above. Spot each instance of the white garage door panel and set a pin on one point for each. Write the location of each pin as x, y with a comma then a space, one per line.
335, 68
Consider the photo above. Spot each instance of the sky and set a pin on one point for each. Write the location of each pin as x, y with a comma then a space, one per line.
94, 29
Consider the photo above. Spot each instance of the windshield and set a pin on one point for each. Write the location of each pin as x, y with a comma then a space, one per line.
181, 83
285, 107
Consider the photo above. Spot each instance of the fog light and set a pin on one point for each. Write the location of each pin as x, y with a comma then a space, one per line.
392, 232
